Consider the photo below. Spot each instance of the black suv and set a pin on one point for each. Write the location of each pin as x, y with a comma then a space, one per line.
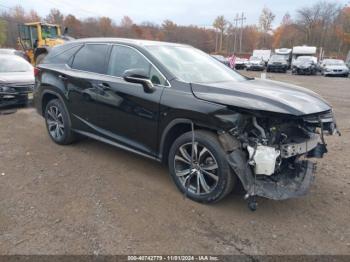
177, 105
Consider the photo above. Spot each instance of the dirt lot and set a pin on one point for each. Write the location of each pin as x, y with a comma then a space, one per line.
90, 198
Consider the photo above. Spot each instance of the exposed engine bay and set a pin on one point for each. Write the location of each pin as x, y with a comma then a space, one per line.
270, 155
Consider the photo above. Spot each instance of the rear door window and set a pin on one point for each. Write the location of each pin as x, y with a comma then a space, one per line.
91, 58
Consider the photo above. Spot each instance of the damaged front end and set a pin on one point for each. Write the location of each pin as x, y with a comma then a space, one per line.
270, 155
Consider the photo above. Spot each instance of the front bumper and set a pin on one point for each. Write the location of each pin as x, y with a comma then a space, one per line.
239, 66
336, 72
14, 95
277, 68
288, 184
256, 67
304, 71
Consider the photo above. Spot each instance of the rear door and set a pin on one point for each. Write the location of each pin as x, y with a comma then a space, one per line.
87, 71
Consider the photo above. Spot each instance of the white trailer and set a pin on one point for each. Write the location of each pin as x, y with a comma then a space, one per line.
263, 54
286, 53
303, 51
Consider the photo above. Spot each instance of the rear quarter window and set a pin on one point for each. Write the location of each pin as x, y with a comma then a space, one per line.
61, 56
91, 58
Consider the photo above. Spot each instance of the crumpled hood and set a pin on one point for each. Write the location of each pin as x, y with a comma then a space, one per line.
265, 95
303, 64
17, 78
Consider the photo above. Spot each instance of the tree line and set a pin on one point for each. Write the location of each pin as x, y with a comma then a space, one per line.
324, 24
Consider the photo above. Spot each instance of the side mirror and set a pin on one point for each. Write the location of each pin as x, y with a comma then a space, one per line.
139, 76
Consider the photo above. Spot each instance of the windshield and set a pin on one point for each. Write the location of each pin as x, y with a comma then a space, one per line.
305, 58
278, 58
192, 65
255, 58
12, 63
334, 62
48, 31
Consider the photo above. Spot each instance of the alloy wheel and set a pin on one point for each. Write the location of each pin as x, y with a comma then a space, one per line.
55, 122
196, 169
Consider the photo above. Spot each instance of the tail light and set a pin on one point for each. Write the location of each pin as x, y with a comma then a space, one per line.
36, 71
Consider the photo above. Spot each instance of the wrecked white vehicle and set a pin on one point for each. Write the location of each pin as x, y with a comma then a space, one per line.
305, 65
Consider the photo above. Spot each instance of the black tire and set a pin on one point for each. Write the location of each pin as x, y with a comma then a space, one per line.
225, 178
40, 58
65, 137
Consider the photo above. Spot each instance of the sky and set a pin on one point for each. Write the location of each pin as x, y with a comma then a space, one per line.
182, 12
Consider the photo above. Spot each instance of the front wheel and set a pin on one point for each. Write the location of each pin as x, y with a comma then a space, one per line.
204, 176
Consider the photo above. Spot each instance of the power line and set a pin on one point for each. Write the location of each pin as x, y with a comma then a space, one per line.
5, 6
59, 5
238, 21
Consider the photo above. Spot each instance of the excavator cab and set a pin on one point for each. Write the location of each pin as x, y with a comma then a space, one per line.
37, 38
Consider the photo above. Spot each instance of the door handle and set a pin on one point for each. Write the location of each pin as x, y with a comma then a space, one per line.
104, 86
62, 77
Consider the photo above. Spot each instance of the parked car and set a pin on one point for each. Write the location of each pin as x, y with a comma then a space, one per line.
334, 67
221, 59
240, 63
277, 63
11, 51
305, 65
16, 80
255, 64
175, 104
286, 53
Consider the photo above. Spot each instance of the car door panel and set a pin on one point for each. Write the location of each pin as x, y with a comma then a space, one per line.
127, 110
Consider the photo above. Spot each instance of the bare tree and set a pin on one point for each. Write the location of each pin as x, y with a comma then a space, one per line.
74, 25
266, 19
220, 23
126, 22
265, 25
315, 21
105, 26
2, 32
55, 17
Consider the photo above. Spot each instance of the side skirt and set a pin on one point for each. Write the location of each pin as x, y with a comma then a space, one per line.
112, 143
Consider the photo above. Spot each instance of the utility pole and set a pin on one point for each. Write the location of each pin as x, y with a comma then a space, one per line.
239, 20
216, 40
243, 18
235, 31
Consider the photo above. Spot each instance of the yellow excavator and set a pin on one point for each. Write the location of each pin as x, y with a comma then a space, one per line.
37, 38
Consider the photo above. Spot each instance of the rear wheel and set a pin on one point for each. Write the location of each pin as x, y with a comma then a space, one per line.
57, 123
207, 176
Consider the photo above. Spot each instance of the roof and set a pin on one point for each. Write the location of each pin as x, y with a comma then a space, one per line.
40, 23
283, 51
139, 42
304, 49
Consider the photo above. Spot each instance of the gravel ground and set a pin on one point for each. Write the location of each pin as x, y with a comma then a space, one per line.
91, 198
